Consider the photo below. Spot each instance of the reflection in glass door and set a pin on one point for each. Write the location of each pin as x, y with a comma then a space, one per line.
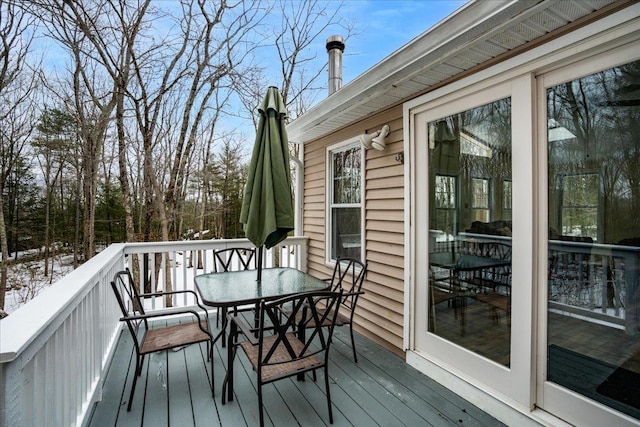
593, 324
470, 229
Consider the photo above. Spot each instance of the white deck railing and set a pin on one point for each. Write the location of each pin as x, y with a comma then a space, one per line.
596, 281
55, 349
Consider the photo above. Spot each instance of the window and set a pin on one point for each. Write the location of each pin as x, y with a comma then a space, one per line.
345, 202
445, 194
580, 205
480, 199
507, 199
508, 194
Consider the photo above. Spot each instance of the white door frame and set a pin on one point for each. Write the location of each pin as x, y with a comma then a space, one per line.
515, 381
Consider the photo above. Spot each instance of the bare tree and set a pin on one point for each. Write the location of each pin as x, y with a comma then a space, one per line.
100, 36
303, 23
204, 175
16, 86
300, 67
172, 90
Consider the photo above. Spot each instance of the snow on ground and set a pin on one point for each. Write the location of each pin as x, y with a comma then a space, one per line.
26, 278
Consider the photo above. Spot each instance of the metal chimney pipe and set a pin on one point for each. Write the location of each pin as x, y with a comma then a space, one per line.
335, 47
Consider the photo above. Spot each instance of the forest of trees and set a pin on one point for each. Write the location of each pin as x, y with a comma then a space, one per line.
127, 120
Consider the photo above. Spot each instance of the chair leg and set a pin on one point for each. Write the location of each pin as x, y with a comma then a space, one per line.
223, 325
227, 384
136, 374
260, 404
353, 345
326, 382
139, 367
213, 393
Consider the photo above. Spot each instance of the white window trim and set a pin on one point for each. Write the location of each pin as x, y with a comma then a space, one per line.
349, 143
488, 208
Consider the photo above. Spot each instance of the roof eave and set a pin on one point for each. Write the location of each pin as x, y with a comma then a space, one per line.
449, 35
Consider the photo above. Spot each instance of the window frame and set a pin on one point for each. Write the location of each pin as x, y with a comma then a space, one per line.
563, 208
421, 113
486, 196
507, 195
455, 209
329, 205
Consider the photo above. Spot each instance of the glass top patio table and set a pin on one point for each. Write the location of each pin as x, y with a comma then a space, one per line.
458, 261
235, 288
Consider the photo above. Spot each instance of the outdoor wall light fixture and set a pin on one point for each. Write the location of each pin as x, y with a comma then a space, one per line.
375, 140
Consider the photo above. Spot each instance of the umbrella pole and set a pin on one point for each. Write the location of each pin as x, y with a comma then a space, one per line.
260, 262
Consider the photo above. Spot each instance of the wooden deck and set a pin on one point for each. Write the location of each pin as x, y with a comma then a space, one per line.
380, 390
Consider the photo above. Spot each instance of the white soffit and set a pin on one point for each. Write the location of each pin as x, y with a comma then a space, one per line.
476, 33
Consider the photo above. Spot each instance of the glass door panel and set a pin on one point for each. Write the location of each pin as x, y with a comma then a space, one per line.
469, 289
593, 309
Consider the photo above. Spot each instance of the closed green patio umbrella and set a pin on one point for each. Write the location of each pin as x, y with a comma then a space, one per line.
267, 206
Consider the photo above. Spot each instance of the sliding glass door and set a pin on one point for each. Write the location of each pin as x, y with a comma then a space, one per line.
464, 311
592, 131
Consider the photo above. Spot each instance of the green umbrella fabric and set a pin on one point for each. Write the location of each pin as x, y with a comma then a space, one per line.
267, 206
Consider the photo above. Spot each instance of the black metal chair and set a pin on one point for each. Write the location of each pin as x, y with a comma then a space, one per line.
147, 340
348, 277
289, 342
441, 289
233, 259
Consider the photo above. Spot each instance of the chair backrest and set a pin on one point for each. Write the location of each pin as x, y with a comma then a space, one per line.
498, 250
296, 323
126, 292
348, 276
234, 259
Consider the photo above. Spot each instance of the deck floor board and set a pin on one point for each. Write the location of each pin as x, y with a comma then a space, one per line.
380, 390
419, 392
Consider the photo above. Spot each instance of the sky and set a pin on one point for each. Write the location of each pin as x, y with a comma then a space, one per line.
382, 27
387, 26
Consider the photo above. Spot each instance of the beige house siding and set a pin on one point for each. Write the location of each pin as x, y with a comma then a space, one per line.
380, 310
